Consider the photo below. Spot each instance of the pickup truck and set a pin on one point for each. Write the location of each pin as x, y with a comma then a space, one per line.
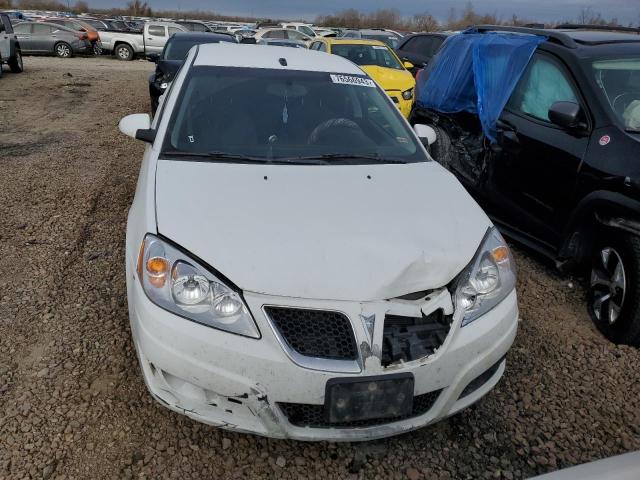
126, 46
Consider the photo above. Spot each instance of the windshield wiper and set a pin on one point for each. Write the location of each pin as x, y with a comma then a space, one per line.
218, 156
354, 158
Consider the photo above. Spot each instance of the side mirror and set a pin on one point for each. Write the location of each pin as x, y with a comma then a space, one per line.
248, 40
566, 114
153, 57
138, 126
426, 134
408, 65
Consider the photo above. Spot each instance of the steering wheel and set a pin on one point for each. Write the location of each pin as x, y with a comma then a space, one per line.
628, 96
343, 127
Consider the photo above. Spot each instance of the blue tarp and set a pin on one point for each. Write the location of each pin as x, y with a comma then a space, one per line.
476, 73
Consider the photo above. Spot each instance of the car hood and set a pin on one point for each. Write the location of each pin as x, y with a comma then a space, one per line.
390, 78
365, 232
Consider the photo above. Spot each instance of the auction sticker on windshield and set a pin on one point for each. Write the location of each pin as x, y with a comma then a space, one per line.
352, 80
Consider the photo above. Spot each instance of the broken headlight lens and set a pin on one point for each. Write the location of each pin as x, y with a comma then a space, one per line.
488, 279
180, 285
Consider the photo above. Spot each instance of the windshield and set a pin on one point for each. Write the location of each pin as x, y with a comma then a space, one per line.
177, 48
307, 31
619, 80
389, 40
378, 55
288, 115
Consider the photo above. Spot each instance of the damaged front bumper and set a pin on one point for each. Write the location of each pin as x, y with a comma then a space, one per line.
265, 387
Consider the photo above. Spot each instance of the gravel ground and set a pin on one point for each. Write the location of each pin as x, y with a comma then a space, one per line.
73, 403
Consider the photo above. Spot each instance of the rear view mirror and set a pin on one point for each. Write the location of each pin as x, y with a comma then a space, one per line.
566, 114
408, 65
426, 134
248, 40
138, 126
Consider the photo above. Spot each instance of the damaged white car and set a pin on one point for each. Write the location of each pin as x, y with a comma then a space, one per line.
297, 266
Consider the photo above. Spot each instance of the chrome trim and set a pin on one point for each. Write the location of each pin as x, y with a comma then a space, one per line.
315, 363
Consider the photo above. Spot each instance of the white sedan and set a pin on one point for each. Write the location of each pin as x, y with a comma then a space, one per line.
297, 266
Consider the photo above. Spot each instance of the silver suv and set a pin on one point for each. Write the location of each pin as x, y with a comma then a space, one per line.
10, 52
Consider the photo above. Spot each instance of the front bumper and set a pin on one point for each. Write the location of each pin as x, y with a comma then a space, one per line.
403, 105
237, 383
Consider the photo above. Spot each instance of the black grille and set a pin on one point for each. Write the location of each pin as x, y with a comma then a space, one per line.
410, 338
306, 415
315, 333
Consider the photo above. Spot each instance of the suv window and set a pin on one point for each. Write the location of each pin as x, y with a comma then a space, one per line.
544, 82
2, 23
156, 30
173, 30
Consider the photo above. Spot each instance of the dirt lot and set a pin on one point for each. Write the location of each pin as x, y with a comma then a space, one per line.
72, 401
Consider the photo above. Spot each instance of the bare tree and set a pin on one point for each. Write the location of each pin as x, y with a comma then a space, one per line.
81, 6
139, 8
424, 23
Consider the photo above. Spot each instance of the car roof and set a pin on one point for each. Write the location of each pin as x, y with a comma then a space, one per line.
203, 35
598, 37
266, 56
353, 41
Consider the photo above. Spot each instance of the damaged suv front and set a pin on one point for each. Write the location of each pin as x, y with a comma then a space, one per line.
277, 287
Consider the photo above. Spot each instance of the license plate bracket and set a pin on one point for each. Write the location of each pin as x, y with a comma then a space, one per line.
365, 398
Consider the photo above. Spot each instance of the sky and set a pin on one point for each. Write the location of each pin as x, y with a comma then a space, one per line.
539, 10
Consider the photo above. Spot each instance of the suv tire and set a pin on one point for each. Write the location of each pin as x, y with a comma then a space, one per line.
614, 287
15, 63
442, 149
63, 50
124, 52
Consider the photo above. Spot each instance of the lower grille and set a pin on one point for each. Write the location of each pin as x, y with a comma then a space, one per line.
306, 415
315, 333
409, 338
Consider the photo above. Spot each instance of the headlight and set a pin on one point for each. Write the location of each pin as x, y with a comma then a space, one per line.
408, 94
488, 279
181, 285
164, 85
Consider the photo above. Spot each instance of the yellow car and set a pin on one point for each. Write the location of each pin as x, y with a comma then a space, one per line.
380, 62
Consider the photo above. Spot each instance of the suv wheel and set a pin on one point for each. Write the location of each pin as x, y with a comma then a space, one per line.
442, 149
15, 63
63, 50
614, 287
124, 52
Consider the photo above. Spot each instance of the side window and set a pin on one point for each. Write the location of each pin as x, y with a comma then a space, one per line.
156, 31
291, 27
544, 82
323, 47
173, 30
2, 21
40, 29
22, 28
315, 46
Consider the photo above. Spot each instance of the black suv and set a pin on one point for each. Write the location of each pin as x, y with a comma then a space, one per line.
420, 48
172, 57
9, 46
563, 175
